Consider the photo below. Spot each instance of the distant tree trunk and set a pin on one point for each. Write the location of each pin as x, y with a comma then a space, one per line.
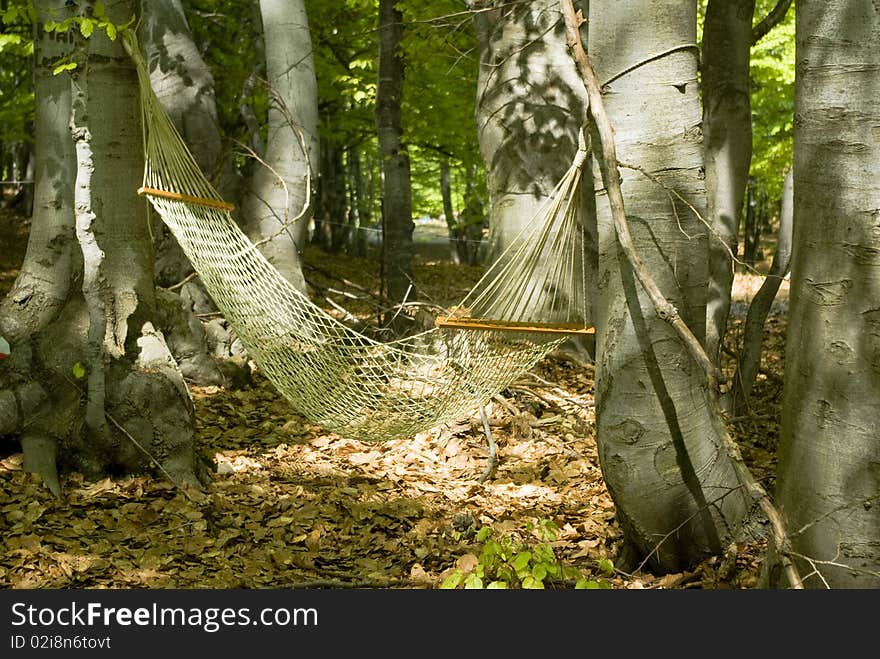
93, 385
359, 208
472, 220
753, 330
751, 229
274, 208
727, 134
396, 185
675, 489
455, 228
320, 217
332, 197
829, 454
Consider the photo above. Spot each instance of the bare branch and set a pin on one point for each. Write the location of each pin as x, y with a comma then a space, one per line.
771, 20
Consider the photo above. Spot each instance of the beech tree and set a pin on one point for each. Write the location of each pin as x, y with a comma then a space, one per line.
91, 382
530, 110
727, 134
830, 441
676, 490
277, 207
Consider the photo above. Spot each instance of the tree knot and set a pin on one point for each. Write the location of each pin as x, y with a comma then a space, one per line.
667, 312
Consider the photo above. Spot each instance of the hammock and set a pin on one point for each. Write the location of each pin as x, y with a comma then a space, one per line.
525, 306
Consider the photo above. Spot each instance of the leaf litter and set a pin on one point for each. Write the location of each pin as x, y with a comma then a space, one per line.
292, 506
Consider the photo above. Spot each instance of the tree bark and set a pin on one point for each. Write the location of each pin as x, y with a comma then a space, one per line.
43, 283
530, 109
453, 227
828, 477
277, 207
95, 387
675, 488
185, 87
359, 209
396, 184
727, 134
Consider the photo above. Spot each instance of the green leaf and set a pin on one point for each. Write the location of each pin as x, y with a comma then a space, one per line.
584, 584
521, 561
607, 566
530, 583
86, 26
79, 371
99, 10
539, 572
497, 585
483, 534
452, 581
111, 31
49, 26
10, 15
473, 582
67, 66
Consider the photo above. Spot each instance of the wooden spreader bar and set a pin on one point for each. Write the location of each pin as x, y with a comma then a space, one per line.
177, 196
513, 326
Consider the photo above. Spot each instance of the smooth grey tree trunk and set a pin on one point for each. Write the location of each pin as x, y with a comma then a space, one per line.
96, 386
675, 491
397, 220
182, 80
275, 208
530, 108
42, 285
828, 474
184, 85
727, 134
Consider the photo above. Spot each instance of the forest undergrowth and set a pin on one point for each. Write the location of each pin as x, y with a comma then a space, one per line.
292, 506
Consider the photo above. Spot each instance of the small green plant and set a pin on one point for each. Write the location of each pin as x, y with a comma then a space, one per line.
504, 562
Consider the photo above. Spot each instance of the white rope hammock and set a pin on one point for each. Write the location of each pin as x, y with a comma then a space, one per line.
525, 305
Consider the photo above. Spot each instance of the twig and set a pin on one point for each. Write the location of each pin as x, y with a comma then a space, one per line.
498, 398
183, 281
490, 467
665, 310
771, 20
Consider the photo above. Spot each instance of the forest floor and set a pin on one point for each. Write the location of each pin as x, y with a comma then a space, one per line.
292, 506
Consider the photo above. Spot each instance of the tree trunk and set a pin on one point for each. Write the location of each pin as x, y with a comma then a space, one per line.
185, 87
331, 228
455, 230
530, 109
675, 489
359, 208
727, 134
753, 331
828, 475
43, 282
396, 191
94, 387
277, 207
530, 106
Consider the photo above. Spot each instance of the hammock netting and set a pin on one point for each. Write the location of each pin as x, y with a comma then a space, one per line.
335, 376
